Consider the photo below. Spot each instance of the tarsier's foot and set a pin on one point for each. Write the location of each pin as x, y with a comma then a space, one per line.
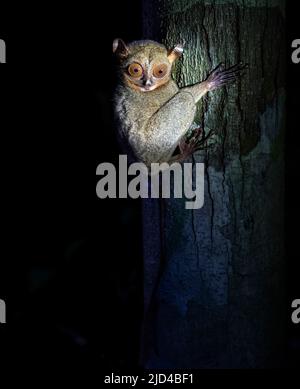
190, 144
221, 76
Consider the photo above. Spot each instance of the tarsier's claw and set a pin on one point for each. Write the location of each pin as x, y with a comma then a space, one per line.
188, 145
191, 144
220, 77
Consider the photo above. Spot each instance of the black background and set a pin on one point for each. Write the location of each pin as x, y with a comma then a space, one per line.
292, 178
71, 274
71, 265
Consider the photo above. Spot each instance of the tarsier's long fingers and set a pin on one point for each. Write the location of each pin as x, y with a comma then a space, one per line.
201, 143
195, 142
188, 144
221, 76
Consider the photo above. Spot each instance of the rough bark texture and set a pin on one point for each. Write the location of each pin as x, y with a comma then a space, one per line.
219, 301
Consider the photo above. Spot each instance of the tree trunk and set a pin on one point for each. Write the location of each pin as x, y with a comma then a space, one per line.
214, 277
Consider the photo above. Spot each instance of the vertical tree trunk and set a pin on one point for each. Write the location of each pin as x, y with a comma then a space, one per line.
219, 301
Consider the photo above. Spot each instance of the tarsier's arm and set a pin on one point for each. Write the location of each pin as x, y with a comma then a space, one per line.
216, 79
169, 124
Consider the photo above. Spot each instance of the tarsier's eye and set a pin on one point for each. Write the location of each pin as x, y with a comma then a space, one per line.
135, 70
160, 71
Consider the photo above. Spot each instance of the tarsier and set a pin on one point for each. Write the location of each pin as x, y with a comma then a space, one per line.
153, 114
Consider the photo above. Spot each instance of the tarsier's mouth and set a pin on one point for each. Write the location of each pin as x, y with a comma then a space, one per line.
147, 88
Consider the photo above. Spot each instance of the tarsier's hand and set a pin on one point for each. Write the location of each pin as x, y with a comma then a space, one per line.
221, 76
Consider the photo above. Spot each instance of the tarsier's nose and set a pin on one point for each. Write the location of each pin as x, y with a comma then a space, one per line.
147, 82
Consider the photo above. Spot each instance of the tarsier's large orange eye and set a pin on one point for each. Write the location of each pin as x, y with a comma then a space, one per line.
135, 70
160, 71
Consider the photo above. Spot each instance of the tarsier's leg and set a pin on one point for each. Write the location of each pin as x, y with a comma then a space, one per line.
167, 126
216, 79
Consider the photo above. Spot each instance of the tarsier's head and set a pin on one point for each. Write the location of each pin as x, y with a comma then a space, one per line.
145, 65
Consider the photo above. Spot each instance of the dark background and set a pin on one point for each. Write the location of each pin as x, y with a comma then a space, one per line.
292, 178
71, 269
71, 275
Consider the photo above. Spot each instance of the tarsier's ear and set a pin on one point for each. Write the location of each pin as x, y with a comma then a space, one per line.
176, 52
120, 48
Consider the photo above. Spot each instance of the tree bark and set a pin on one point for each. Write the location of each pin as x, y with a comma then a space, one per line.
219, 274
